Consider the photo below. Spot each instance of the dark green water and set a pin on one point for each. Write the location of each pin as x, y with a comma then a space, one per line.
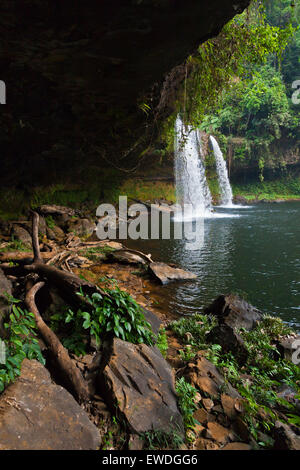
256, 252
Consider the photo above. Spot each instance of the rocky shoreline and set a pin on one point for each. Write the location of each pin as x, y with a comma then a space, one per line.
222, 380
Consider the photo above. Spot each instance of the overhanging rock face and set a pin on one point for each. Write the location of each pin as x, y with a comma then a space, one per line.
75, 72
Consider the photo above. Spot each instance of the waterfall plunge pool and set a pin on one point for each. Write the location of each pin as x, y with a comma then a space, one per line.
254, 252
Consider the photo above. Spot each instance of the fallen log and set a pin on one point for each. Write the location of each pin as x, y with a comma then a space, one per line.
70, 373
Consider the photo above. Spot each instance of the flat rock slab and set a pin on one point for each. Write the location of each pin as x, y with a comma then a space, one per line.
141, 382
36, 414
166, 273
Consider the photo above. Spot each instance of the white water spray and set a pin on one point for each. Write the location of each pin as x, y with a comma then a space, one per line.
225, 188
191, 183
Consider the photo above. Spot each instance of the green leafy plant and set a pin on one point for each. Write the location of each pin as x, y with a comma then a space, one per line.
15, 244
91, 253
187, 354
21, 342
113, 314
162, 342
50, 221
193, 329
158, 439
186, 395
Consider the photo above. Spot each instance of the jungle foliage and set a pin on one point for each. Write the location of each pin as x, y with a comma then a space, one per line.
257, 118
239, 85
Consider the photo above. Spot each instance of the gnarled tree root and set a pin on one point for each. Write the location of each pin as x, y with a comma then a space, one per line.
70, 373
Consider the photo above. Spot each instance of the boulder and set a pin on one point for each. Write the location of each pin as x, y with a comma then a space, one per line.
235, 312
5, 288
22, 235
138, 380
36, 414
230, 341
166, 273
55, 233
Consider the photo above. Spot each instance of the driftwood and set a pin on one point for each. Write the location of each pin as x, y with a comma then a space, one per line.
67, 367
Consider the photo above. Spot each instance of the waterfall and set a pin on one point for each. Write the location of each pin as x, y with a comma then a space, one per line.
191, 183
225, 188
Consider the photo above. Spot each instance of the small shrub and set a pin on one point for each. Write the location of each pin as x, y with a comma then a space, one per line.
162, 342
198, 326
50, 221
186, 395
158, 439
21, 343
116, 314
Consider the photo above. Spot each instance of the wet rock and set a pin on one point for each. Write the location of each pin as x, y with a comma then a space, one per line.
36, 414
165, 273
285, 438
235, 312
141, 383
22, 235
5, 288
